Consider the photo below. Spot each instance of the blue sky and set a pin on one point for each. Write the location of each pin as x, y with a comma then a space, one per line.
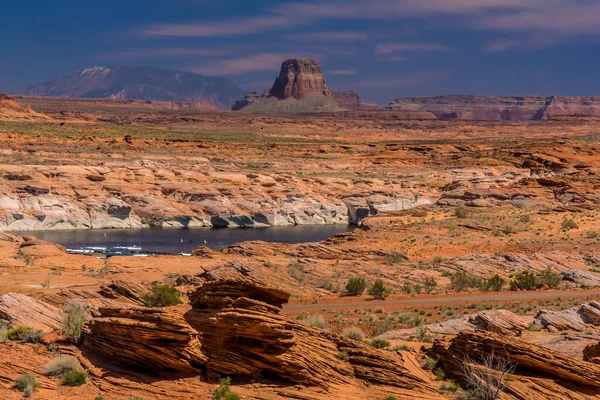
381, 48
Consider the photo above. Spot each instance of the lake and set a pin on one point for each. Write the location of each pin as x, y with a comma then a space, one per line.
186, 240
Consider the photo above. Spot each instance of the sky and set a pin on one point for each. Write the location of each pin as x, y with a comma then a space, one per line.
383, 49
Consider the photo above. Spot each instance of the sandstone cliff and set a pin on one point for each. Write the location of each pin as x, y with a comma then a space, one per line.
507, 108
351, 101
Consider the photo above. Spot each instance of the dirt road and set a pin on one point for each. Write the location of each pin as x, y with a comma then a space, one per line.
447, 299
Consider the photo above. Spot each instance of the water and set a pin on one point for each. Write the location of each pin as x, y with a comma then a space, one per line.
186, 240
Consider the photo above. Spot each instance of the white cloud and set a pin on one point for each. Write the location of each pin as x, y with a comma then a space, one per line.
253, 63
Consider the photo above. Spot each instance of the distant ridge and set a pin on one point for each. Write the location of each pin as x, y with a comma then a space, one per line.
500, 108
140, 83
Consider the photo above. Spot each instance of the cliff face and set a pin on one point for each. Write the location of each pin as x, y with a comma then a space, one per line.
500, 108
298, 78
351, 101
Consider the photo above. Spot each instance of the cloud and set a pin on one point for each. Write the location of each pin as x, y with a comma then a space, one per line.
418, 79
253, 63
167, 52
390, 48
342, 72
230, 27
328, 37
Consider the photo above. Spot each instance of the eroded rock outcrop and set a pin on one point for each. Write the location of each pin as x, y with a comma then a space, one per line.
235, 328
351, 101
10, 110
20, 310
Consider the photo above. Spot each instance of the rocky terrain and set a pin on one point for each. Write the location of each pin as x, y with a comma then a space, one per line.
475, 267
299, 88
500, 108
10, 110
141, 84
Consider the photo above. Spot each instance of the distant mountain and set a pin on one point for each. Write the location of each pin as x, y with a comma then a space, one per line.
140, 83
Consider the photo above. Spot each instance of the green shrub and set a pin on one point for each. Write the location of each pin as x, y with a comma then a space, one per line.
402, 347
343, 355
354, 333
533, 328
525, 218
462, 281
378, 290
24, 334
396, 258
429, 363
568, 224
430, 284
75, 316
223, 391
524, 280
100, 398
162, 296
460, 212
379, 343
61, 365
390, 397
26, 384
548, 277
355, 286
316, 321
494, 284
74, 377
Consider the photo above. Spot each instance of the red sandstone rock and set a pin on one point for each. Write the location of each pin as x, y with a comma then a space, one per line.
298, 78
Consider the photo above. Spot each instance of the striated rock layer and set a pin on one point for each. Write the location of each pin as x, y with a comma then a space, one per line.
351, 101
505, 108
235, 328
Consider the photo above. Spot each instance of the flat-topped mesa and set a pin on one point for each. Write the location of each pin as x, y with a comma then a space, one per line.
299, 78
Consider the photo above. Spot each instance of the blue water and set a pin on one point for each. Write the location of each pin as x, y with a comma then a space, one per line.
186, 240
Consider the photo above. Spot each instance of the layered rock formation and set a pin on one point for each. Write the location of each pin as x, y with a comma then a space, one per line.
505, 108
10, 110
539, 372
299, 88
235, 329
351, 101
19, 310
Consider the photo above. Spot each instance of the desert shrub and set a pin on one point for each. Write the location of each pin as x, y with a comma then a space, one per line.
296, 271
316, 321
524, 280
548, 277
354, 333
525, 218
430, 284
74, 377
429, 363
61, 365
343, 355
355, 286
424, 335
223, 391
461, 212
379, 343
26, 384
401, 347
494, 284
568, 224
24, 334
437, 260
99, 398
488, 380
75, 316
390, 397
32, 337
533, 327
396, 258
593, 234
378, 290
162, 296
3, 332
462, 281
